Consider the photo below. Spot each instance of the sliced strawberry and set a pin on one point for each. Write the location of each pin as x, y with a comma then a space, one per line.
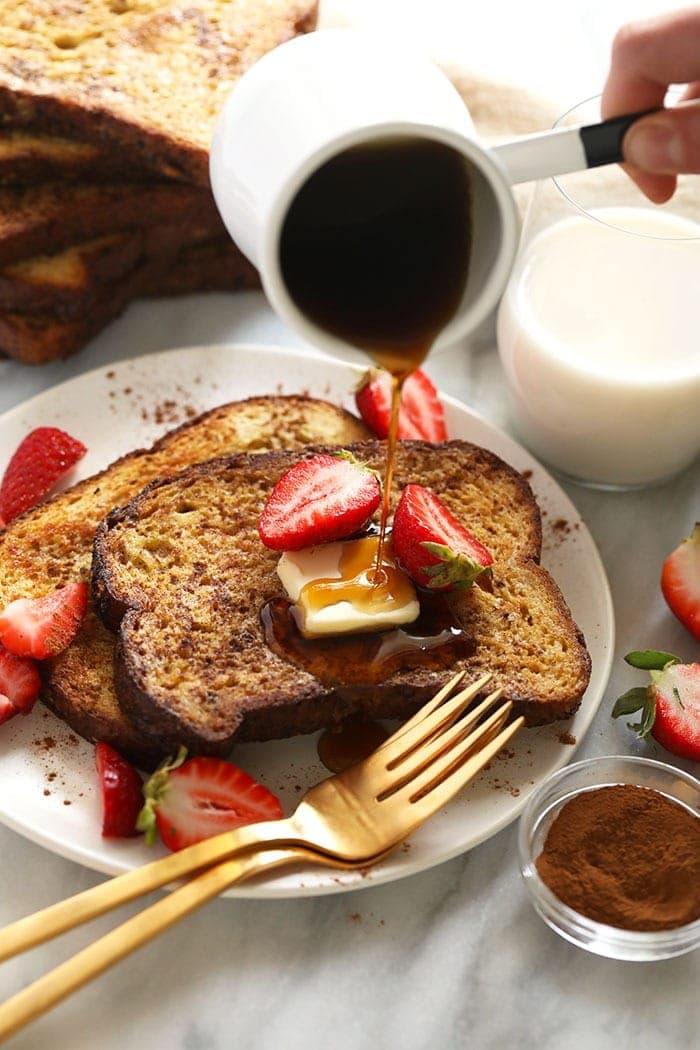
44, 627
41, 460
19, 685
122, 796
680, 581
432, 546
670, 704
421, 416
422, 408
319, 499
190, 801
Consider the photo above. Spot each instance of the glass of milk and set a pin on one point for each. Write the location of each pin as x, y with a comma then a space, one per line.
599, 327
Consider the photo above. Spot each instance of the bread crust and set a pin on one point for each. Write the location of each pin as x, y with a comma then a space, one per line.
104, 72
219, 697
51, 545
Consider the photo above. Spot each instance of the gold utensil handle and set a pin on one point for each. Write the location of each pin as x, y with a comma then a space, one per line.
34, 929
59, 983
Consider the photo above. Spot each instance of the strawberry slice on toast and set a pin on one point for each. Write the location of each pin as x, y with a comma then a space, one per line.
44, 627
435, 549
324, 498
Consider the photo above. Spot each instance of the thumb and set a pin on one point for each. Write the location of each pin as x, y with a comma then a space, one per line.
666, 143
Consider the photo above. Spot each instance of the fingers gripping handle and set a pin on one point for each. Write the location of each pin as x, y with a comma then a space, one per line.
565, 149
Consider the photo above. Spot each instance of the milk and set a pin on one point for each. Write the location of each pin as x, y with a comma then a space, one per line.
599, 335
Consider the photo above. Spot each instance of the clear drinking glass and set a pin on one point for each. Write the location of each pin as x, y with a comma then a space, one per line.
599, 327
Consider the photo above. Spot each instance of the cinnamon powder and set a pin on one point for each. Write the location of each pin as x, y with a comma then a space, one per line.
625, 856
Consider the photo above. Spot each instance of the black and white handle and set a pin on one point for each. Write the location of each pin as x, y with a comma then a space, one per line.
565, 149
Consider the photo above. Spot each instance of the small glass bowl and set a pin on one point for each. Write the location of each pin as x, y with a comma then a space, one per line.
541, 810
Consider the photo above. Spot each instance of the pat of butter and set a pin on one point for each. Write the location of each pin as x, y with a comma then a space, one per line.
298, 568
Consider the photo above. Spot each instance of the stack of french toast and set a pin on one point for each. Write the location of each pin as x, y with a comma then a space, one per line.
107, 108
173, 650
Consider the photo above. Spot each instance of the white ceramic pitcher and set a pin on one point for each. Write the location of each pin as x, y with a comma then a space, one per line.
320, 94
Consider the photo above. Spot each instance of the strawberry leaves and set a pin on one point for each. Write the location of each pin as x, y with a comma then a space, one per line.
669, 705
637, 699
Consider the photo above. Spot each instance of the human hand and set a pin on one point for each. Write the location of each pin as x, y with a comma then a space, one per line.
647, 57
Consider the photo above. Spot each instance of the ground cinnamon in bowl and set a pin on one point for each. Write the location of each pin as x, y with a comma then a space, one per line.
625, 856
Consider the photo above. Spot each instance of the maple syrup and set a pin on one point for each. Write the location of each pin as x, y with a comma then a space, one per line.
375, 246
369, 580
344, 662
375, 249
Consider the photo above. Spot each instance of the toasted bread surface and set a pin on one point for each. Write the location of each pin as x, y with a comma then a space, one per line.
214, 265
81, 302
28, 156
52, 544
68, 284
148, 76
182, 575
52, 216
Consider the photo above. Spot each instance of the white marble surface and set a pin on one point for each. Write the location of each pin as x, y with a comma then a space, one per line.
452, 957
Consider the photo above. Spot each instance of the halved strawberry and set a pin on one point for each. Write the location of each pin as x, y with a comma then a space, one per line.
190, 801
670, 704
121, 789
317, 500
432, 546
680, 581
40, 460
44, 627
421, 415
19, 685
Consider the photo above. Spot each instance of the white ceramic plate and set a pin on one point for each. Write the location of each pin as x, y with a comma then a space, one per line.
47, 779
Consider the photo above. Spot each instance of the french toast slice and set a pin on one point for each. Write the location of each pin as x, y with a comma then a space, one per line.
147, 78
215, 265
28, 156
181, 574
80, 304
52, 544
53, 215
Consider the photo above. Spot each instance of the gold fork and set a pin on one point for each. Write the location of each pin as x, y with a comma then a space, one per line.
347, 821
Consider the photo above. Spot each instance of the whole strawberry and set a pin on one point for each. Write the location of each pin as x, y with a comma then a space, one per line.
433, 547
680, 581
670, 704
41, 460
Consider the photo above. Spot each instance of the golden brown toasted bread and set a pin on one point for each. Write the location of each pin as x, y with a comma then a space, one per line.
182, 575
52, 544
67, 283
144, 76
77, 304
64, 282
28, 156
209, 266
54, 215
